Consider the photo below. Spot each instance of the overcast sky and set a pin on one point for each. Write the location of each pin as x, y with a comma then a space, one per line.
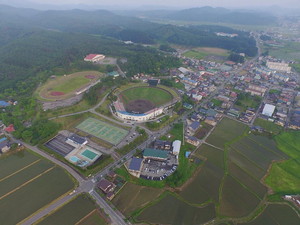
224, 3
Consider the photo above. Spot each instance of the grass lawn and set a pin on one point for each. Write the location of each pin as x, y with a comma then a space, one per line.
268, 126
25, 188
75, 212
157, 96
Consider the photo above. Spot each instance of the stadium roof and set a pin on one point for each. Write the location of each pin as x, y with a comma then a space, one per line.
135, 164
149, 152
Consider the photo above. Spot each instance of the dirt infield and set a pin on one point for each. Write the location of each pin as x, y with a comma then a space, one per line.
90, 77
139, 106
57, 93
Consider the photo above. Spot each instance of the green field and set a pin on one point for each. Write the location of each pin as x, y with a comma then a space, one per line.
284, 176
268, 126
226, 131
25, 183
157, 96
288, 51
81, 210
68, 84
276, 214
202, 53
102, 130
134, 196
170, 210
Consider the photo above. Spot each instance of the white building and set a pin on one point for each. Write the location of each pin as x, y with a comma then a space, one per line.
281, 67
94, 58
140, 117
268, 110
176, 147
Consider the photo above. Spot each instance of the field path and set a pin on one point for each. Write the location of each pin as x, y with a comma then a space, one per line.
25, 167
27, 182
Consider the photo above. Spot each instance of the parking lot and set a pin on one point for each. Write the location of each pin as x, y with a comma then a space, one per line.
159, 170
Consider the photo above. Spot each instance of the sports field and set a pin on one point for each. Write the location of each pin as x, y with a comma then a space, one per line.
81, 210
201, 53
63, 87
25, 181
102, 130
156, 96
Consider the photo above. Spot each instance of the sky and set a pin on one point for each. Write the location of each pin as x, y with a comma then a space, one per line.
151, 4
223, 3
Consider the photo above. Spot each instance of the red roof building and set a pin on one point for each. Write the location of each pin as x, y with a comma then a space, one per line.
94, 57
10, 128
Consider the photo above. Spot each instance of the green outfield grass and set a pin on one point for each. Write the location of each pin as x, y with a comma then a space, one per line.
155, 95
102, 130
25, 185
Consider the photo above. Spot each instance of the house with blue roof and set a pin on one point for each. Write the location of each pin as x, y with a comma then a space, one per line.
135, 166
4, 104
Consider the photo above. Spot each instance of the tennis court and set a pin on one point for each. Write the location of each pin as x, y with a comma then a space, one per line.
102, 130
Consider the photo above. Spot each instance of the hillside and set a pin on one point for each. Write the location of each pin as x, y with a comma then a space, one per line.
222, 15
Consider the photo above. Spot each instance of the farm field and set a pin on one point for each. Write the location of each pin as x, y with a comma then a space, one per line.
226, 131
276, 214
63, 87
81, 210
256, 153
25, 183
213, 155
236, 200
170, 210
133, 196
284, 176
228, 184
205, 186
288, 51
244, 178
157, 96
102, 130
243, 162
268, 126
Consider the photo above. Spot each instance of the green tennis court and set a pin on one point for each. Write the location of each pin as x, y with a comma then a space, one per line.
102, 130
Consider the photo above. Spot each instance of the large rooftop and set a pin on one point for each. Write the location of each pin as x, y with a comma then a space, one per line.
155, 153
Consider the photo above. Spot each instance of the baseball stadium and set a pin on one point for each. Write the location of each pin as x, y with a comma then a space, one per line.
142, 103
